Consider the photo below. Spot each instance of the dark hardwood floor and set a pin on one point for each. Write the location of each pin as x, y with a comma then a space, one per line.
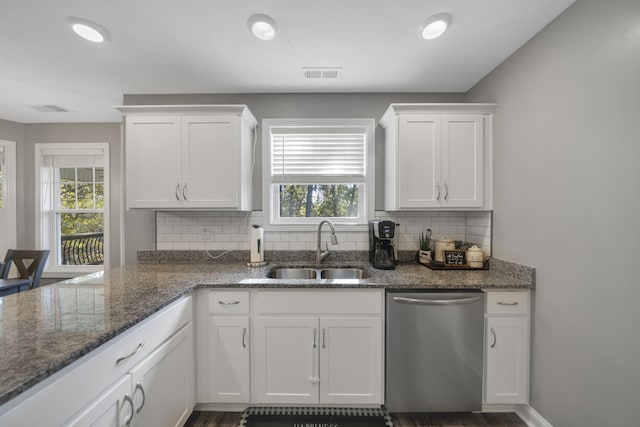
231, 419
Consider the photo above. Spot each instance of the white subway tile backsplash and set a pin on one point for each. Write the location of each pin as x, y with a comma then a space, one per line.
214, 230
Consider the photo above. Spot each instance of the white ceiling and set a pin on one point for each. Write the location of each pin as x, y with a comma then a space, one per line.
204, 46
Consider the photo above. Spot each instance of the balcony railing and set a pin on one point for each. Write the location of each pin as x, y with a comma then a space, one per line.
82, 249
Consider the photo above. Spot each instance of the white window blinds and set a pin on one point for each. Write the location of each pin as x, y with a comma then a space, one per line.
318, 152
73, 158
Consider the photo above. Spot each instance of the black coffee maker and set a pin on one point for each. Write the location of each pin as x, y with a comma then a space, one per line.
382, 254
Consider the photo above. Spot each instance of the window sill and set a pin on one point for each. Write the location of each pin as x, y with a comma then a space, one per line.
65, 273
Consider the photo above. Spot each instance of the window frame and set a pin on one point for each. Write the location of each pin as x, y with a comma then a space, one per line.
45, 229
366, 201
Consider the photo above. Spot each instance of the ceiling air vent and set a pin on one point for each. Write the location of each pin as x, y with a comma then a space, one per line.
50, 108
321, 72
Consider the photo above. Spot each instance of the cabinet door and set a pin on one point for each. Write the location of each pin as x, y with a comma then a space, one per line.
153, 150
462, 161
113, 408
164, 383
211, 161
229, 359
284, 355
351, 361
507, 359
418, 169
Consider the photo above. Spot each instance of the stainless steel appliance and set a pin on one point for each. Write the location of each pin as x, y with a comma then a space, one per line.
382, 253
434, 347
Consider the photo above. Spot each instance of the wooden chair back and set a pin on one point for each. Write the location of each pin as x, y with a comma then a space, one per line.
30, 264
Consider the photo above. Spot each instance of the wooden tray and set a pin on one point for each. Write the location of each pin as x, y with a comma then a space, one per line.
442, 266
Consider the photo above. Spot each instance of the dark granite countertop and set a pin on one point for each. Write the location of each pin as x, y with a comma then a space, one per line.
45, 329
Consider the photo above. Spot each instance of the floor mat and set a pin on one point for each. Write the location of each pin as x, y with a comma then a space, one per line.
264, 416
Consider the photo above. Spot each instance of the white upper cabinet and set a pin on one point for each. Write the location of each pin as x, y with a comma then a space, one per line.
189, 157
438, 156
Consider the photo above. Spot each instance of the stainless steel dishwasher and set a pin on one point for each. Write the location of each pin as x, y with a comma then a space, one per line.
434, 348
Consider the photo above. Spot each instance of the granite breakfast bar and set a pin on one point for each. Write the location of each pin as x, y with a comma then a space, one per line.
44, 330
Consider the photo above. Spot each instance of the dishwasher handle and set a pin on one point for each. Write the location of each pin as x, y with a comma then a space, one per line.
436, 301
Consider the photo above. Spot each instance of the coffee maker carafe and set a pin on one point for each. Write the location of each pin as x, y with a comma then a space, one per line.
381, 251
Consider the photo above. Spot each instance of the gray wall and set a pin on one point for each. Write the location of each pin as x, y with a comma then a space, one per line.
567, 197
26, 135
139, 225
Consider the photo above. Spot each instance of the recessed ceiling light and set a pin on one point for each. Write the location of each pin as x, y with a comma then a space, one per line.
89, 30
262, 26
435, 26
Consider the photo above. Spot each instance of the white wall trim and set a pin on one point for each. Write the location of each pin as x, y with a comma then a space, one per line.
531, 416
9, 238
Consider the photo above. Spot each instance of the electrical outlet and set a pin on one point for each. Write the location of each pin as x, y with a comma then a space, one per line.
205, 234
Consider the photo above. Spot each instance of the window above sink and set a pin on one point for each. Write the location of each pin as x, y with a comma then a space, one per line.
316, 169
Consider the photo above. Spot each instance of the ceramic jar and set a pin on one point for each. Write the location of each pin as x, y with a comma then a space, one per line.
475, 257
443, 244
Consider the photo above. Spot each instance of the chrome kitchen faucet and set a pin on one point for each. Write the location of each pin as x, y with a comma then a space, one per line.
320, 254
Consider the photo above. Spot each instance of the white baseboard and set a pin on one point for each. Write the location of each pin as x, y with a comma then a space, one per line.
221, 407
531, 416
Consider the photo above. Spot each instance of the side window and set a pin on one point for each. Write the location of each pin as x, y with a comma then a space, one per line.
73, 205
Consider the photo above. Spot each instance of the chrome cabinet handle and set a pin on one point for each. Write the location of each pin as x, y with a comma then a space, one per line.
144, 396
420, 301
507, 303
228, 302
315, 375
177, 189
185, 193
438, 188
324, 341
244, 334
495, 340
127, 399
123, 358
446, 191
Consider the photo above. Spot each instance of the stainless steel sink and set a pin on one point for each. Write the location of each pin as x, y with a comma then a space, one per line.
343, 273
292, 273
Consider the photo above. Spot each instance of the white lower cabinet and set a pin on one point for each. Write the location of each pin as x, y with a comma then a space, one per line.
507, 348
229, 363
158, 391
325, 348
285, 354
351, 360
112, 408
223, 339
164, 384
145, 377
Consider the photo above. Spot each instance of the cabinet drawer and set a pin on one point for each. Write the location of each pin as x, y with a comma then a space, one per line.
229, 302
319, 302
513, 302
